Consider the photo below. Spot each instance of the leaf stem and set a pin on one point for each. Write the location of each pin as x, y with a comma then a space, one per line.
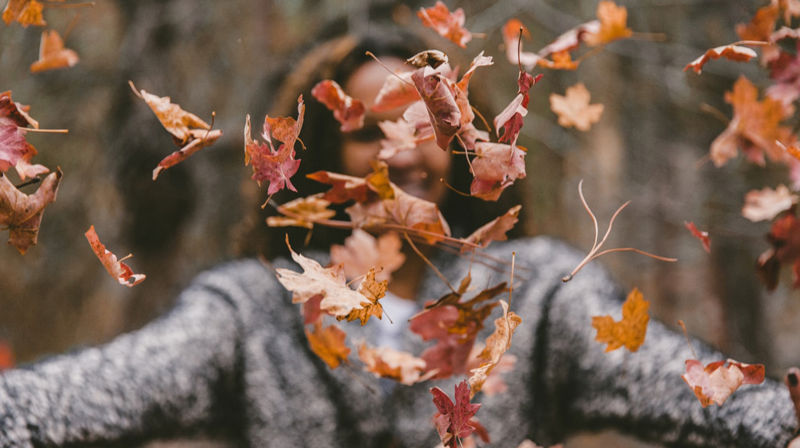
428, 262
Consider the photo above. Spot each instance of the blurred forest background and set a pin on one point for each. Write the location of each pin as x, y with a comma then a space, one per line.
650, 146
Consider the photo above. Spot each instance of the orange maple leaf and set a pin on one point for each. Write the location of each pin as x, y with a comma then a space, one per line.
26, 12
631, 330
187, 129
755, 127
387, 362
613, 24
732, 52
373, 290
761, 25
302, 212
52, 54
494, 230
116, 268
328, 344
574, 109
448, 24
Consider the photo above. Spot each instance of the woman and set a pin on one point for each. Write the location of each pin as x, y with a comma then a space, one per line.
233, 353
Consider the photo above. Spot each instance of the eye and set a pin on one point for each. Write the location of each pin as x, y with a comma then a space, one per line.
369, 133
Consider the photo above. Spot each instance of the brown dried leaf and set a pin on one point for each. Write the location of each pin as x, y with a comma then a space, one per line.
21, 214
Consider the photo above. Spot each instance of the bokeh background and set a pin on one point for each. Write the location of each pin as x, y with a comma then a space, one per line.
650, 147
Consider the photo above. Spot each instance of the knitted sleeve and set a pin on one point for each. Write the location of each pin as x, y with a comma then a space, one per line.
578, 386
177, 372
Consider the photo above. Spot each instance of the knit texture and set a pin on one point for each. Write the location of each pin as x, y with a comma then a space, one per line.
232, 354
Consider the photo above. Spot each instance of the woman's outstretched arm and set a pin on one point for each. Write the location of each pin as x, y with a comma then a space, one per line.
580, 386
178, 372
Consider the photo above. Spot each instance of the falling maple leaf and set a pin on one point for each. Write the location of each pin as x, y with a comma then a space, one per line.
574, 109
494, 230
495, 167
755, 127
700, 235
631, 330
328, 344
275, 166
21, 214
510, 119
361, 251
386, 362
732, 52
302, 212
13, 146
454, 325
14, 149
338, 299
765, 204
116, 268
449, 25
397, 90
52, 54
344, 188
25, 12
454, 421
348, 111
496, 345
613, 24
440, 102
715, 382
761, 25
784, 237
188, 131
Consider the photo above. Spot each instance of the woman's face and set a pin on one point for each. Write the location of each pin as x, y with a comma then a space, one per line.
415, 171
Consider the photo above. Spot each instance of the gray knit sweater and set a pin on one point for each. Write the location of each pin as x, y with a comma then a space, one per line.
233, 354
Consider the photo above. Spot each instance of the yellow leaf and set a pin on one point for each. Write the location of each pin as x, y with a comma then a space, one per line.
630, 331
328, 344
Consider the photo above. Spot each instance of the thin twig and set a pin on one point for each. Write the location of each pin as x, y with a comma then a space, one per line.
428, 262
594, 252
32, 181
370, 54
453, 189
478, 113
44, 131
688, 341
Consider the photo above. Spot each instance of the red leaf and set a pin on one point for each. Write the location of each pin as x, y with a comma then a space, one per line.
22, 213
495, 167
396, 91
702, 236
495, 230
440, 102
346, 110
275, 166
117, 269
448, 24
454, 420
